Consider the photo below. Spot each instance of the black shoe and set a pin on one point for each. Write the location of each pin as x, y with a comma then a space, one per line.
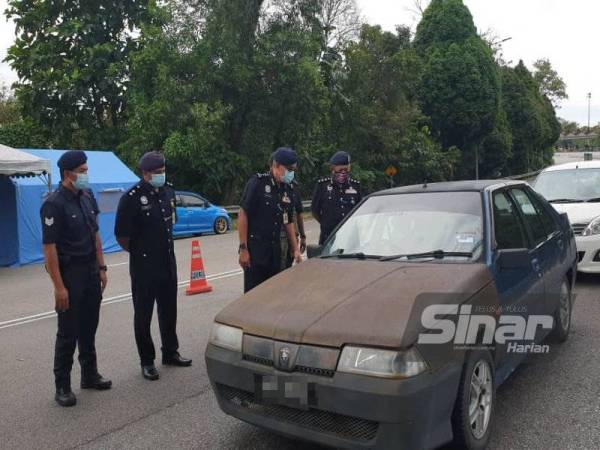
176, 360
150, 373
98, 382
65, 397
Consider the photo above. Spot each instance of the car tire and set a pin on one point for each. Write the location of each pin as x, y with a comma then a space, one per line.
473, 413
562, 315
220, 225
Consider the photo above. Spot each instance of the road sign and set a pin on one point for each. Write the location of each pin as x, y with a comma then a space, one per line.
391, 171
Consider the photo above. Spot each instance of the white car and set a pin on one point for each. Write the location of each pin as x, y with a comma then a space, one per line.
574, 188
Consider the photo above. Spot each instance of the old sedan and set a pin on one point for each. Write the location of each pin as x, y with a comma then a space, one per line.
396, 334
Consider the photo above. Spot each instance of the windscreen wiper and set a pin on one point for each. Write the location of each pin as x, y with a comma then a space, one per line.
357, 255
565, 200
593, 200
437, 254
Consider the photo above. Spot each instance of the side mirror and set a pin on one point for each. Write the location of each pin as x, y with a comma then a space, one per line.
517, 258
312, 251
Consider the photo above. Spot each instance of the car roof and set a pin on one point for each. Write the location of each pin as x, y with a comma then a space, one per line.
574, 165
451, 186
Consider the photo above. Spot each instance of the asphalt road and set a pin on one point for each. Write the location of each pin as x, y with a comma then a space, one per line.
553, 401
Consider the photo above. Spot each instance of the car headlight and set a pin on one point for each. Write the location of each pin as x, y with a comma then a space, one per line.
381, 363
226, 337
593, 228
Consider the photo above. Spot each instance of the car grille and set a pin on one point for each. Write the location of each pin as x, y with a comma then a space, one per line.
322, 421
579, 228
303, 369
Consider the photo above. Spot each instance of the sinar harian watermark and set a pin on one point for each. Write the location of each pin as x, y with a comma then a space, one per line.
458, 325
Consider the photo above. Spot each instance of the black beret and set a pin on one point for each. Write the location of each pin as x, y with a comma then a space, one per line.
151, 161
340, 159
71, 160
285, 156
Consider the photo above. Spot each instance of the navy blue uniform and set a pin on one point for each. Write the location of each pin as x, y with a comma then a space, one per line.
69, 220
146, 216
332, 202
269, 206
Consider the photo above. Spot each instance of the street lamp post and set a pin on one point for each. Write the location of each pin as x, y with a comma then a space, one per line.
589, 96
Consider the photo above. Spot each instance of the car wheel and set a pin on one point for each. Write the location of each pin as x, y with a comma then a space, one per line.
562, 315
220, 225
474, 408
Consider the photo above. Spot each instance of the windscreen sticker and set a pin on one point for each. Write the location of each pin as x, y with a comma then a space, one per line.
464, 238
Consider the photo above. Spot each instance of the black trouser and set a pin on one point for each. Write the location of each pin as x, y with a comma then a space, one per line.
145, 293
265, 262
78, 325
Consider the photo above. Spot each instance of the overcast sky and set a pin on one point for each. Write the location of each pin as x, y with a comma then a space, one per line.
565, 31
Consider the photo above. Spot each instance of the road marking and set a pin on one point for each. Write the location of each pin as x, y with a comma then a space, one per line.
109, 301
118, 264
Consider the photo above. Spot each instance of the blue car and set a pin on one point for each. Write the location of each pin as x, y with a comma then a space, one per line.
196, 215
397, 332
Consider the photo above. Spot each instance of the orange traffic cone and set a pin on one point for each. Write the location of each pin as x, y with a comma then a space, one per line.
198, 283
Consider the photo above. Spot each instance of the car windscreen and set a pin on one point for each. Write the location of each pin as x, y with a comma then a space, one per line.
569, 185
411, 224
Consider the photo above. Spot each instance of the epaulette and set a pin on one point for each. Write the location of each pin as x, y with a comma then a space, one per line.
323, 180
352, 180
263, 175
134, 189
168, 183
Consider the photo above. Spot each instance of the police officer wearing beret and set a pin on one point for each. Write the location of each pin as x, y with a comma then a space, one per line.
144, 228
266, 206
335, 196
75, 263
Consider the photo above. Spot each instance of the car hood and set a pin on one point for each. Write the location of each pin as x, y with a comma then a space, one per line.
336, 302
579, 212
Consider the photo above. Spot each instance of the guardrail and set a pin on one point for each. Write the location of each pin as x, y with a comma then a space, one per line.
235, 209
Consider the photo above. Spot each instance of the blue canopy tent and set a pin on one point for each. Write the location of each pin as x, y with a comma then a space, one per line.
21, 200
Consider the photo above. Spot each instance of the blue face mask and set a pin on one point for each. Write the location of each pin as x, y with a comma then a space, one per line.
158, 180
82, 182
288, 177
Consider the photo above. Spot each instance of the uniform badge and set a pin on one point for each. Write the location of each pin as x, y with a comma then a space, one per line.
351, 191
49, 221
144, 200
268, 189
330, 188
286, 199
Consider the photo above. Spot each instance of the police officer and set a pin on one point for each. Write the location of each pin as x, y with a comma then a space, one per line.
265, 207
144, 228
334, 197
287, 258
75, 263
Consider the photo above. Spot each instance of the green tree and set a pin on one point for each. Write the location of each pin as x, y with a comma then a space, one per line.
73, 62
550, 83
460, 89
535, 128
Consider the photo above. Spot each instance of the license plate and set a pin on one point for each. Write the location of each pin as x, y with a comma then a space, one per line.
288, 391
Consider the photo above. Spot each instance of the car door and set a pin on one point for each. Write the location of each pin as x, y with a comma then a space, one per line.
518, 288
196, 213
541, 254
550, 243
181, 224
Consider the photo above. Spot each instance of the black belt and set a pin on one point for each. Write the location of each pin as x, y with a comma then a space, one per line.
66, 260
256, 237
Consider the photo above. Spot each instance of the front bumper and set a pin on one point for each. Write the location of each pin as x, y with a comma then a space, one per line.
345, 410
588, 248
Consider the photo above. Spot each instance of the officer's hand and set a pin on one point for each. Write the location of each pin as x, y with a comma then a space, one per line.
61, 298
103, 280
297, 256
303, 245
245, 259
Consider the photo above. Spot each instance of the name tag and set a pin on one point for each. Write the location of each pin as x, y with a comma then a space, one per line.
351, 191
